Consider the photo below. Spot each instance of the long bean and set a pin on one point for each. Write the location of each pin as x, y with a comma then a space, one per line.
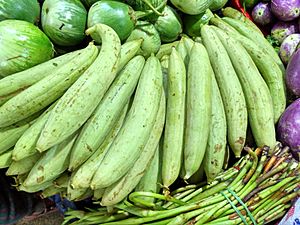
266, 185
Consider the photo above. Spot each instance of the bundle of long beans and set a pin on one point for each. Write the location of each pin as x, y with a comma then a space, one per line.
258, 189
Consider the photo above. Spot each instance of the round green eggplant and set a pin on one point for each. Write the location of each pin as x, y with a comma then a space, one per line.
192, 23
119, 16
28, 10
151, 40
64, 21
169, 26
22, 45
192, 7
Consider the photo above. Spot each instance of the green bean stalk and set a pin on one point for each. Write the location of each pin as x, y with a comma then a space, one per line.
257, 189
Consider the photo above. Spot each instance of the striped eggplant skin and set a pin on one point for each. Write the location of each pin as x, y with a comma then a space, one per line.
27, 10
64, 21
23, 45
119, 16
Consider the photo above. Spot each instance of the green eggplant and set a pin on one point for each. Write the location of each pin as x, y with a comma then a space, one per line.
27, 10
64, 21
151, 40
192, 7
169, 26
192, 23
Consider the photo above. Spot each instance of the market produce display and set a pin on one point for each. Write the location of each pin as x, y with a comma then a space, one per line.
262, 185
283, 18
144, 97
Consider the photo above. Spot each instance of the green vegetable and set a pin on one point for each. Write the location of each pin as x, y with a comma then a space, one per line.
156, 6
249, 3
117, 15
192, 7
267, 197
169, 26
22, 45
192, 23
64, 21
28, 10
217, 4
149, 34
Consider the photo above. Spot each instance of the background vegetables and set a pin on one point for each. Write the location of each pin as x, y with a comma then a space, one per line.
83, 95
169, 25
121, 17
151, 39
285, 10
28, 10
261, 13
192, 7
293, 74
22, 45
64, 21
281, 30
288, 47
289, 127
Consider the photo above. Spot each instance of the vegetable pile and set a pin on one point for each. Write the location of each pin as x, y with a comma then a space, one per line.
283, 18
150, 94
259, 187
85, 128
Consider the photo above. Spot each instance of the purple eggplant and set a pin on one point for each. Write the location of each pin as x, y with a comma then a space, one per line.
292, 77
281, 30
262, 14
288, 129
288, 47
286, 10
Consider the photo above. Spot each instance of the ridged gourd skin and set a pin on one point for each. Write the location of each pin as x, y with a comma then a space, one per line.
216, 146
231, 90
198, 109
22, 166
25, 146
82, 176
23, 45
96, 128
136, 130
81, 99
175, 118
46, 91
257, 94
268, 68
64, 21
150, 180
51, 164
119, 190
251, 33
192, 7
11, 85
5, 159
27, 10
